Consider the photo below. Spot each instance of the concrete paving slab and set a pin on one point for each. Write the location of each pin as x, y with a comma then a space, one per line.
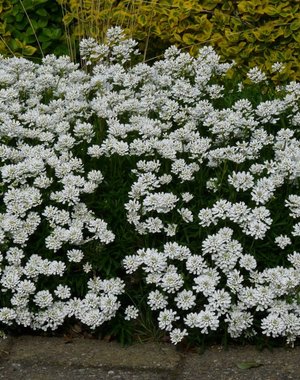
93, 353
41, 358
242, 363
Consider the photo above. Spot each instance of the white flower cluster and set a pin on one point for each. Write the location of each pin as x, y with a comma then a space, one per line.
117, 48
207, 299
217, 177
44, 126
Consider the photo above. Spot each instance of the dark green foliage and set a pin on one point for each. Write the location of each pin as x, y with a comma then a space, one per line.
32, 28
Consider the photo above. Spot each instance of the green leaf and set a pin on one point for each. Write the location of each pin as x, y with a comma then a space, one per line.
248, 365
16, 44
30, 40
43, 22
34, 24
46, 44
209, 4
29, 32
15, 10
53, 33
19, 17
243, 6
13, 45
296, 37
60, 50
28, 50
226, 6
188, 38
38, 2
42, 12
8, 18
43, 37
27, 4
68, 18
2, 28
295, 24
142, 20
269, 10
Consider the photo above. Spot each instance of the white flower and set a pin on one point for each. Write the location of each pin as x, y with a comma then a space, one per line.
166, 318
87, 267
186, 214
7, 315
219, 301
185, 299
63, 292
295, 259
113, 286
206, 217
212, 184
241, 180
282, 241
153, 224
26, 287
154, 261
205, 283
95, 176
156, 300
238, 322
160, 202
170, 229
92, 318
109, 304
207, 320
131, 263
43, 298
94, 284
14, 255
234, 280
195, 264
293, 203
248, 262
277, 67
177, 335
75, 255
176, 251
84, 131
187, 197
10, 277
256, 75
131, 312
192, 320
296, 229
18, 201
263, 190
273, 325
171, 281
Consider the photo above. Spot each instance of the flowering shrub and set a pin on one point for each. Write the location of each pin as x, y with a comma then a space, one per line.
45, 223
212, 192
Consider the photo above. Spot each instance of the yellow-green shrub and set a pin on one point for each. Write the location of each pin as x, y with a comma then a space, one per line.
251, 32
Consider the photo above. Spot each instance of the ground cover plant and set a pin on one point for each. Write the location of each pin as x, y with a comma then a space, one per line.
167, 190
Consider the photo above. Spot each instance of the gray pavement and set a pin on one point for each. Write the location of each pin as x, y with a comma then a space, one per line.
41, 358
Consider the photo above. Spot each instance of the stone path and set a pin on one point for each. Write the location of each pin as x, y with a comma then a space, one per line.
40, 358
